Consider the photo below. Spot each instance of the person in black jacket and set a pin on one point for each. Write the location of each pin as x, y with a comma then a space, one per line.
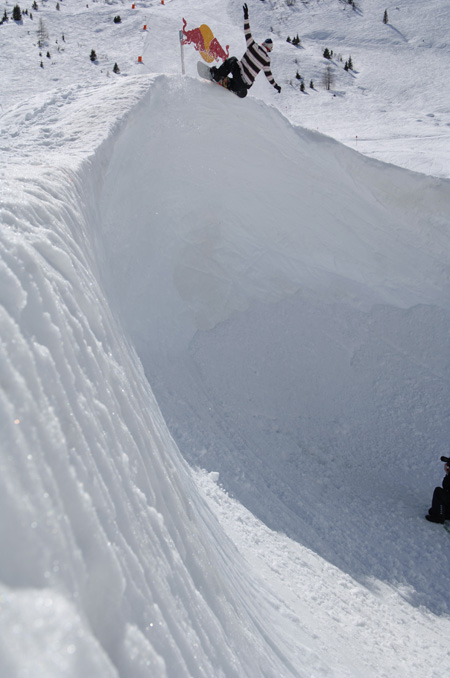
244, 72
440, 505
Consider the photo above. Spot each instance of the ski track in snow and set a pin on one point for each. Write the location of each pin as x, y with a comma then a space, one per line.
296, 340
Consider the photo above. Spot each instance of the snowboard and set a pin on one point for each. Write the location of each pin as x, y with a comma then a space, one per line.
204, 72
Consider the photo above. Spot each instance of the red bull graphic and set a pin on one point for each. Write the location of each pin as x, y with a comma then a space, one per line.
204, 42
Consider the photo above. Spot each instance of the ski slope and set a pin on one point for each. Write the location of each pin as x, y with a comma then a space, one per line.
224, 376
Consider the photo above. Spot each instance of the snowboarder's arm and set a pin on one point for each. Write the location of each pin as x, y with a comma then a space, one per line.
248, 36
247, 32
271, 79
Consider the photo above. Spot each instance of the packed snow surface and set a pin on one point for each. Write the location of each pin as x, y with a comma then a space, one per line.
225, 341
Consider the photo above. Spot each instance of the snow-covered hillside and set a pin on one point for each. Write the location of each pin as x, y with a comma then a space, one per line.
170, 253
393, 106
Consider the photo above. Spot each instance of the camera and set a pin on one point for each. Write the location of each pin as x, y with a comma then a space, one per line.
446, 459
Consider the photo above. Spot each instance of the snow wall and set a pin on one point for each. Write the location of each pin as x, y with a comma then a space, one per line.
289, 300
169, 220
111, 563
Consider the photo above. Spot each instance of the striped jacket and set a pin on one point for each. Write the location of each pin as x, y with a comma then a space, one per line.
255, 59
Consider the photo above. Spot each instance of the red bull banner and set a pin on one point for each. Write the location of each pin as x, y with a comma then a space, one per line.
204, 42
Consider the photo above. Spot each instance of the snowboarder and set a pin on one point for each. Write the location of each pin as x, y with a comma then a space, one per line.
244, 72
440, 505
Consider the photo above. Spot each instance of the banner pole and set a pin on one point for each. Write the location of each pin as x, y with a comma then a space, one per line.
182, 53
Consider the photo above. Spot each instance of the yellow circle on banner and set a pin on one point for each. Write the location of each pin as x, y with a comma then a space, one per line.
208, 35
207, 57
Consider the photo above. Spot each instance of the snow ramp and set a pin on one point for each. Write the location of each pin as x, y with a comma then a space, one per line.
112, 564
289, 300
162, 223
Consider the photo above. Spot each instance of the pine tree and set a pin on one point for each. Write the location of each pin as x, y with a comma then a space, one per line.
298, 76
17, 14
346, 66
385, 17
328, 78
311, 84
34, 5
42, 33
350, 64
302, 87
326, 53
116, 69
93, 56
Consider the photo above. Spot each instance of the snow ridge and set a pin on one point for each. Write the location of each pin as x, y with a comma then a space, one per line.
105, 529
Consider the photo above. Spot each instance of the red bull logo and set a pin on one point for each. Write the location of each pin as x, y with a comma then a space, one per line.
204, 42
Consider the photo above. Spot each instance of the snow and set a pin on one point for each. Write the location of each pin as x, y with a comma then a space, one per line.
224, 346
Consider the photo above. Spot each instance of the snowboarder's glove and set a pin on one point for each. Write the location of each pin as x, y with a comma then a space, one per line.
278, 88
245, 8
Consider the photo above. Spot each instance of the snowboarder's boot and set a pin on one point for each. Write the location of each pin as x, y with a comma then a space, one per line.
433, 518
213, 71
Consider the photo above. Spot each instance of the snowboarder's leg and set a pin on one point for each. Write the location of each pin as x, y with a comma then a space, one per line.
223, 70
236, 83
437, 512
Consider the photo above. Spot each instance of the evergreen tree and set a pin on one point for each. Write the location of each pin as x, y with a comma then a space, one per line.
385, 17
17, 14
5, 17
93, 56
42, 33
350, 64
311, 84
117, 19
298, 76
328, 78
302, 87
35, 5
326, 53
346, 66
116, 69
